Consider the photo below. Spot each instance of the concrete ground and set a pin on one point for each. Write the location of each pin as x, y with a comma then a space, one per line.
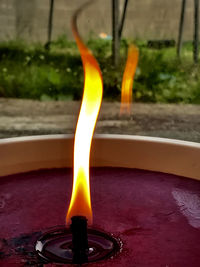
29, 117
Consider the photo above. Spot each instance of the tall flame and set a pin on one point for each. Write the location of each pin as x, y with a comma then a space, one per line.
127, 81
80, 204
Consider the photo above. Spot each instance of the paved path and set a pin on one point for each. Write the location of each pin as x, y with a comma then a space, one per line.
28, 117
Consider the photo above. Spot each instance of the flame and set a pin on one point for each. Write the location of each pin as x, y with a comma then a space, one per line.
80, 204
127, 81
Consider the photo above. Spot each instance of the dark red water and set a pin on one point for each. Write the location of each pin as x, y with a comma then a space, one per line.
156, 215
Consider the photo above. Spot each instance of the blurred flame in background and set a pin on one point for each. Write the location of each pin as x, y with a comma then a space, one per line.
127, 81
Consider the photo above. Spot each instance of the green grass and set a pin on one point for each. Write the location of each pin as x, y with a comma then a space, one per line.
33, 72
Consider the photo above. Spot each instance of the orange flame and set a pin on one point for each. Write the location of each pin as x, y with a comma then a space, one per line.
127, 81
80, 204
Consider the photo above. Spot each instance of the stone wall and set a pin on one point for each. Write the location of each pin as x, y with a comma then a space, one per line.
146, 19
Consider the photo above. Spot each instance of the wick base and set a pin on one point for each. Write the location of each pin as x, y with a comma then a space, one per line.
56, 246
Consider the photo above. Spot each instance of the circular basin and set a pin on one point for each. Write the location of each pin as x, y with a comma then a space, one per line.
140, 191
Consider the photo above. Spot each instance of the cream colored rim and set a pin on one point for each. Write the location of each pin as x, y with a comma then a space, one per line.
23, 154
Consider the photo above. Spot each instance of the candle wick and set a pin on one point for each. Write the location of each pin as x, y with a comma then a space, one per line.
80, 246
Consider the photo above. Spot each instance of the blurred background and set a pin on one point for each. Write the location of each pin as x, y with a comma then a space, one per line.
39, 61
145, 19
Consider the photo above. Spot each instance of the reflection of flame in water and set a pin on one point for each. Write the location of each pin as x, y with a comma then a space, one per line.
80, 204
127, 82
